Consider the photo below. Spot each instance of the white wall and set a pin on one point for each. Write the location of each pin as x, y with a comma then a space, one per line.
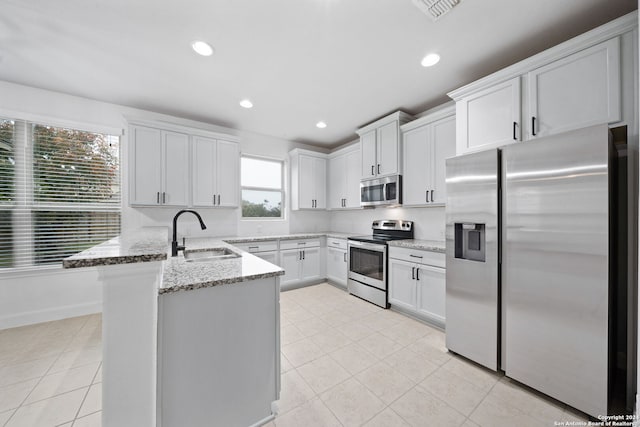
56, 293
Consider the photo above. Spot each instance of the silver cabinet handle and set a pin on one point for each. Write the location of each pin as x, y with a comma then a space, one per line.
415, 256
345, 257
214, 199
218, 200
413, 273
302, 243
299, 255
431, 196
417, 273
254, 247
302, 254
158, 198
372, 170
427, 196
164, 197
378, 168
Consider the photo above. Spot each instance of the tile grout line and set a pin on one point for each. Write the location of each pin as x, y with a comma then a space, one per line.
15, 410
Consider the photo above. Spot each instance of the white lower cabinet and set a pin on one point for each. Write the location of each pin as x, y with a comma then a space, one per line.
300, 260
415, 286
271, 257
266, 249
337, 261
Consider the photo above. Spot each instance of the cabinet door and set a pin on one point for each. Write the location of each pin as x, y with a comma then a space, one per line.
443, 146
203, 159
227, 174
352, 182
368, 154
431, 291
307, 184
310, 264
486, 119
337, 265
416, 158
320, 182
402, 285
290, 261
387, 149
146, 166
580, 90
176, 169
271, 257
337, 180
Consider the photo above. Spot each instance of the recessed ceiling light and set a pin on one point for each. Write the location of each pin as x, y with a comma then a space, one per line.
202, 48
321, 125
246, 103
430, 59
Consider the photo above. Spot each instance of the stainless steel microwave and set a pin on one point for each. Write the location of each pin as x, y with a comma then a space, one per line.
381, 191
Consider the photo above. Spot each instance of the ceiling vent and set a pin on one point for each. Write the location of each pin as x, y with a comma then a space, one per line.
436, 9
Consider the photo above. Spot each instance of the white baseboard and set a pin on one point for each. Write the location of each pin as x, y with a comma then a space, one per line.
57, 313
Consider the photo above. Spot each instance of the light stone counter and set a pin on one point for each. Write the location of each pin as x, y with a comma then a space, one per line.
425, 245
143, 245
182, 275
150, 244
251, 239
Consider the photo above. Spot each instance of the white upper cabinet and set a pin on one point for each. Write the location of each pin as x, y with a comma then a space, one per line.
176, 169
380, 146
489, 118
172, 165
426, 143
308, 180
368, 158
159, 167
215, 172
584, 81
344, 178
580, 90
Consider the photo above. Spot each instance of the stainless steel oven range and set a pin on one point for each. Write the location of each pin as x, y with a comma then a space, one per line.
367, 276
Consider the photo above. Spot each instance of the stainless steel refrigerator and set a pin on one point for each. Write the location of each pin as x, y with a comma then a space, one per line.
528, 253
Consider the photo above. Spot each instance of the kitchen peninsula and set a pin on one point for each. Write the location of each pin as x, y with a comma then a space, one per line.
187, 341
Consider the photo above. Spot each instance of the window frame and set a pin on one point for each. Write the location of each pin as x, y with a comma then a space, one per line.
24, 198
281, 190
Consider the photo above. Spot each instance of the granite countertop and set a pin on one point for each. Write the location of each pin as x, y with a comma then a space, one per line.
143, 245
183, 275
425, 245
251, 239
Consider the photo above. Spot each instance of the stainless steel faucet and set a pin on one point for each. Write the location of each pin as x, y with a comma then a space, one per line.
174, 243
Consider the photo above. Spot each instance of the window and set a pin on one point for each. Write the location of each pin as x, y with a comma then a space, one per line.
261, 182
59, 192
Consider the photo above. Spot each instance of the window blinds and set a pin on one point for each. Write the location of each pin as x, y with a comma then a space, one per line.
59, 192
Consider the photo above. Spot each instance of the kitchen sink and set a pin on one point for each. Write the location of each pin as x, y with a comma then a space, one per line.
213, 254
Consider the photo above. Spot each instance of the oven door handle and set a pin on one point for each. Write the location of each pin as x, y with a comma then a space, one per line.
364, 245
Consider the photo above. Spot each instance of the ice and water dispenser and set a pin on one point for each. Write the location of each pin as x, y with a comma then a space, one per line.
470, 241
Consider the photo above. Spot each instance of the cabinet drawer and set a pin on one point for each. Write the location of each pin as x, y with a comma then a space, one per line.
252, 247
299, 243
421, 257
337, 243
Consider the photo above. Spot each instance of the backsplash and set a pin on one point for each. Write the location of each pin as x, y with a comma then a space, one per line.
429, 223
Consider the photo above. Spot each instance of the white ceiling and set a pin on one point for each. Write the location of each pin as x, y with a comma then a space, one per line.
346, 62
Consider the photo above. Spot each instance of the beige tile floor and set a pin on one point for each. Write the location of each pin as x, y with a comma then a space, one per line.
345, 362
